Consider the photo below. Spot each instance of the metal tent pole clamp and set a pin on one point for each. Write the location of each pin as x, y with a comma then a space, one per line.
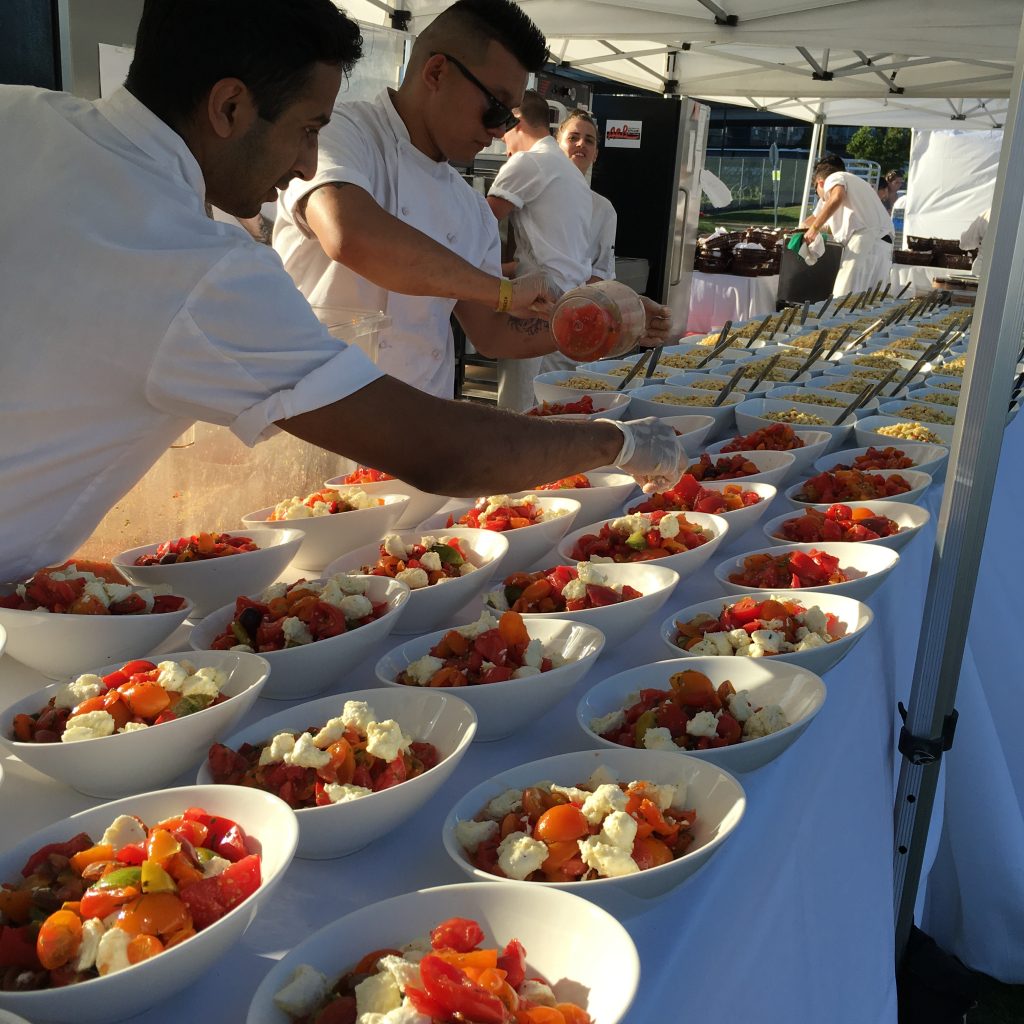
970, 480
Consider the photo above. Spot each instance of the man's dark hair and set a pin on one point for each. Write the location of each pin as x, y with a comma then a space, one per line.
184, 47
829, 164
475, 23
533, 111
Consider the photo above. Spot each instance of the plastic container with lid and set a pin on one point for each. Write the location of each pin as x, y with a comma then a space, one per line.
603, 320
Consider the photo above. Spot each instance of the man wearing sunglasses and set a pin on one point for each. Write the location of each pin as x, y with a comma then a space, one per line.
387, 223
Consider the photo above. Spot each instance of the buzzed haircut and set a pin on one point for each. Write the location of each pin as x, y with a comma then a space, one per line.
467, 27
830, 164
533, 111
184, 47
579, 114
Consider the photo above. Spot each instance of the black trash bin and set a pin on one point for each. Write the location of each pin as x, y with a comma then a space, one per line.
800, 283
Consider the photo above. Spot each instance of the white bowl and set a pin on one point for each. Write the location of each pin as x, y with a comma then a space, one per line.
815, 443
693, 430
773, 467
643, 404
272, 829
606, 368
910, 519
688, 379
211, 582
148, 758
326, 537
309, 669
529, 543
608, 405
551, 386
944, 430
607, 491
57, 644
686, 563
919, 483
889, 391
429, 608
928, 458
782, 392
741, 519
799, 692
421, 503
337, 830
750, 416
855, 615
715, 795
620, 621
866, 432
933, 396
847, 369
582, 951
504, 708
871, 564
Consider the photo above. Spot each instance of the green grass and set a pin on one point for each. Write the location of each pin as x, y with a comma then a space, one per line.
998, 1004
788, 218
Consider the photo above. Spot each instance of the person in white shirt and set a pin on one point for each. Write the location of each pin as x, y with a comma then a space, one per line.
128, 313
973, 237
388, 224
577, 138
851, 210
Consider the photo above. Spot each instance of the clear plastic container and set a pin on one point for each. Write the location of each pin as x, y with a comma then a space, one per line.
603, 320
208, 479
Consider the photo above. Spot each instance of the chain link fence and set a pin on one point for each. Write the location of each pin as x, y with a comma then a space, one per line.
750, 180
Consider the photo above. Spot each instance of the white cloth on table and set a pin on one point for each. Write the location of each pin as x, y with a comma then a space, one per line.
603, 223
367, 144
127, 315
551, 220
715, 298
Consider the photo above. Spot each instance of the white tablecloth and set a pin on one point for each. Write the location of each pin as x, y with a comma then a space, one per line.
920, 278
715, 298
790, 923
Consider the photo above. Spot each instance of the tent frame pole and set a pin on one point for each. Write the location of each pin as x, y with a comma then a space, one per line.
812, 158
994, 352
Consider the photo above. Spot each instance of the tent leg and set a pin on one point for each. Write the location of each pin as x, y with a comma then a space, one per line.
812, 158
970, 478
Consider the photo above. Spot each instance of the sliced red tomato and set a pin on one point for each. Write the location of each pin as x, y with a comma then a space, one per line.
211, 898
455, 993
458, 933
513, 962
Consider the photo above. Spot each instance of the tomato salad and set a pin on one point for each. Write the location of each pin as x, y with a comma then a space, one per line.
348, 757
446, 976
583, 406
328, 501
600, 829
839, 485
779, 437
423, 563
565, 588
68, 590
728, 468
689, 496
874, 458
500, 513
137, 695
197, 548
693, 714
302, 613
838, 522
136, 892
790, 569
640, 537
577, 481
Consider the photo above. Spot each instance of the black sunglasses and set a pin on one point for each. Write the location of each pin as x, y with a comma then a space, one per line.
497, 115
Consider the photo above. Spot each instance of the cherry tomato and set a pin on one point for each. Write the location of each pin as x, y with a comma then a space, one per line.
560, 824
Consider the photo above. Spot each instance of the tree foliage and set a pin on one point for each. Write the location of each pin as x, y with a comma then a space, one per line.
889, 147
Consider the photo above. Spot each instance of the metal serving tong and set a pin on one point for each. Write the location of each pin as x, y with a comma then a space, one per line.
814, 353
720, 346
804, 310
824, 306
899, 294
730, 384
760, 330
653, 364
855, 404
864, 335
927, 356
637, 367
840, 341
769, 366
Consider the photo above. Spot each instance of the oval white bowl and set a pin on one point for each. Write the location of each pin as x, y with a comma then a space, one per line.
620, 621
799, 692
686, 563
815, 443
875, 563
750, 416
693, 430
131, 762
609, 405
911, 518
429, 608
528, 543
780, 393
211, 582
326, 537
928, 458
608, 490
643, 404
578, 947
504, 708
551, 386
855, 615
303, 671
919, 484
268, 822
421, 503
58, 644
716, 796
427, 716
741, 519
944, 430
773, 467
606, 368
688, 379
866, 431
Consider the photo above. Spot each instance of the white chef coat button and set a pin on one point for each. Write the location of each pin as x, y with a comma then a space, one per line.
405, 211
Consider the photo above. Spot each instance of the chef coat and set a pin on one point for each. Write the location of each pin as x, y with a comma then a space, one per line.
603, 222
861, 210
125, 315
552, 212
367, 144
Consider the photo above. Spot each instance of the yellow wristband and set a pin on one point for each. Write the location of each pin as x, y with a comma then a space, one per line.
504, 295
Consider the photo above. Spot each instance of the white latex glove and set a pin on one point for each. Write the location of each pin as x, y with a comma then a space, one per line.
650, 452
534, 295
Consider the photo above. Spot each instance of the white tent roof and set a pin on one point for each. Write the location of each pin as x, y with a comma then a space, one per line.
954, 67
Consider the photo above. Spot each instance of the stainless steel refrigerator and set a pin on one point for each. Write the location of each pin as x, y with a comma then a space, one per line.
652, 153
